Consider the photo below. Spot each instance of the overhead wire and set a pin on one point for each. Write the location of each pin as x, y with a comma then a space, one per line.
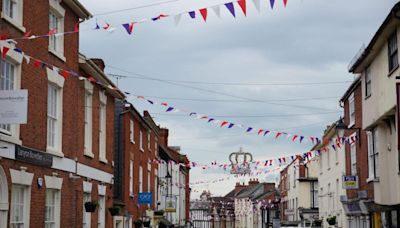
251, 116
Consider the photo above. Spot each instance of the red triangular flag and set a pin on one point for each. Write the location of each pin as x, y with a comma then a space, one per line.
52, 32
36, 63
294, 137
4, 52
242, 4
224, 123
260, 131
278, 134
65, 74
203, 13
76, 28
284, 2
27, 34
3, 37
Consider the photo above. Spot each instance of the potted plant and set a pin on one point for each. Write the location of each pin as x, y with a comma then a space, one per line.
331, 220
138, 223
159, 213
114, 210
91, 206
146, 223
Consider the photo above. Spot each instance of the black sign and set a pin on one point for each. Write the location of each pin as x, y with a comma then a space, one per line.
33, 156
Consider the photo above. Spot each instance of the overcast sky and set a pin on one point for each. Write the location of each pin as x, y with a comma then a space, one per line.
309, 41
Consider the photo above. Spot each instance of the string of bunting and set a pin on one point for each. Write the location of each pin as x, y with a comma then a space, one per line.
129, 26
248, 129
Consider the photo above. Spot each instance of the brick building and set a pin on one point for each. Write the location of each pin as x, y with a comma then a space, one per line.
135, 169
356, 204
62, 157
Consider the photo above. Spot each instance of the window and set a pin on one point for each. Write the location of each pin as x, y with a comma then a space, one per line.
102, 130
155, 186
148, 177
392, 52
13, 12
52, 212
141, 141
140, 179
86, 215
328, 159
352, 112
148, 141
53, 113
368, 81
155, 148
294, 178
131, 178
88, 119
314, 194
373, 155
353, 159
19, 216
131, 131
56, 25
102, 212
7, 82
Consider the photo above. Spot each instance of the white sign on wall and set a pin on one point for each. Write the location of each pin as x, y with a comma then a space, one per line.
13, 106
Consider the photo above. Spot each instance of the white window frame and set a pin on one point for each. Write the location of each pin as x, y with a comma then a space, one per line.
373, 155
54, 185
14, 58
155, 186
57, 81
86, 219
101, 221
352, 110
17, 20
156, 147
132, 131
149, 140
55, 221
131, 178
141, 141
58, 11
88, 119
140, 179
353, 159
103, 127
21, 179
368, 82
148, 178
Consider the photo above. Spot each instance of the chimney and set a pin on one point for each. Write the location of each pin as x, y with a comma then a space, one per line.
164, 136
253, 182
269, 187
239, 187
99, 63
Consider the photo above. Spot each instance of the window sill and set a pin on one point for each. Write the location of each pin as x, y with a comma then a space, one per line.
55, 152
351, 124
393, 70
132, 142
376, 179
58, 54
13, 22
10, 139
103, 160
141, 149
88, 154
131, 195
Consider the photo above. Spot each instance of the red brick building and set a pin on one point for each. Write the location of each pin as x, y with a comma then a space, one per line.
63, 156
135, 169
358, 200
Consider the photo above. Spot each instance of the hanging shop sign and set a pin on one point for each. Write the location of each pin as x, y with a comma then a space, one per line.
14, 106
350, 182
170, 204
31, 156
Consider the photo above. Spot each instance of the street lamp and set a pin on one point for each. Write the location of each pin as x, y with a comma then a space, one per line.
340, 125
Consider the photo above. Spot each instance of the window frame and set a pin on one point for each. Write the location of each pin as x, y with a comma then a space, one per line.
373, 156
59, 12
149, 141
393, 52
368, 82
24, 221
353, 159
140, 178
131, 193
86, 219
103, 127
141, 141
16, 21
101, 217
56, 206
352, 110
88, 120
132, 131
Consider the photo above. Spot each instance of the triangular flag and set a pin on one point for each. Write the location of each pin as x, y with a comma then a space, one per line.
27, 59
52, 32
231, 8
4, 52
266, 132
27, 34
105, 27
242, 4
169, 109
249, 129
192, 14
97, 26
272, 2
177, 19
128, 27
76, 27
257, 5
65, 74
278, 134
159, 17
3, 37
260, 131
294, 137
284, 2
231, 125
217, 10
203, 13
36, 63
211, 119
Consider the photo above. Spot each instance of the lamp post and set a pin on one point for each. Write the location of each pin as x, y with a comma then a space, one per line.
168, 179
342, 126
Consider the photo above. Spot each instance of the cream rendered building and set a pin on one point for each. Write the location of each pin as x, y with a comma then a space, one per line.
378, 65
332, 167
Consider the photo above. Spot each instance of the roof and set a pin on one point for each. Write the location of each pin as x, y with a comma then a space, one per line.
231, 194
78, 8
251, 192
378, 40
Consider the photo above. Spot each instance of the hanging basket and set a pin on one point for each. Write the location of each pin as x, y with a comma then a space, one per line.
146, 223
91, 206
114, 210
331, 220
138, 223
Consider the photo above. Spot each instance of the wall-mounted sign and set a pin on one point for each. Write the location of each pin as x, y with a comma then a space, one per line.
289, 211
145, 198
33, 156
14, 106
170, 204
350, 182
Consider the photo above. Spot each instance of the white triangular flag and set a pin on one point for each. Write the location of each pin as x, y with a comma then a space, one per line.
177, 19
27, 59
217, 10
257, 4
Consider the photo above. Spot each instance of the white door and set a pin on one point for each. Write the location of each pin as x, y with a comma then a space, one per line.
3, 198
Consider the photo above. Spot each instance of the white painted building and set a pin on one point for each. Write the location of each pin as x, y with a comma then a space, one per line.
332, 167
